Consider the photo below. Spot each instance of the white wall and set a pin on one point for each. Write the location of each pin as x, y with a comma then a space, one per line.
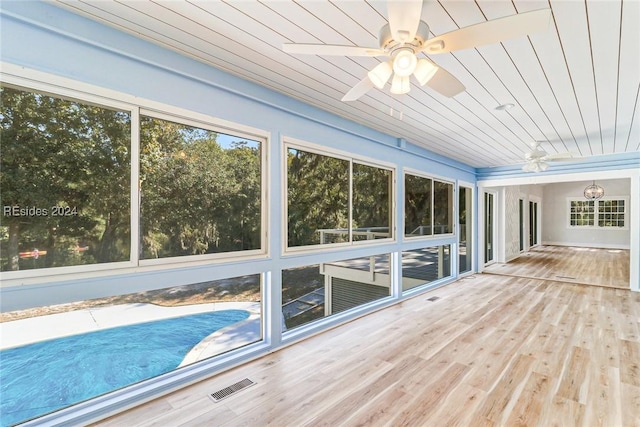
512, 223
555, 216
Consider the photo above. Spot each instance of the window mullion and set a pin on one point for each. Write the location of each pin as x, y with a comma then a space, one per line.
135, 186
433, 213
350, 210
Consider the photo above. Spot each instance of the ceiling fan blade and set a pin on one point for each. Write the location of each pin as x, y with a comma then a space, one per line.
561, 157
404, 18
359, 90
536, 154
445, 83
493, 31
331, 50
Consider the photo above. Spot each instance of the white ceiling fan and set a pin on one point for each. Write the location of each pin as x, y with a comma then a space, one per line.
537, 160
406, 35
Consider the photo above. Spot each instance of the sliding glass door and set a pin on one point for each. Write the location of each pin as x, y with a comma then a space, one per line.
533, 223
465, 219
521, 224
489, 227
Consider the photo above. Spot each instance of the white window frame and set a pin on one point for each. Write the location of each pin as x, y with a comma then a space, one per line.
625, 216
41, 82
596, 213
99, 101
297, 144
433, 178
569, 212
471, 226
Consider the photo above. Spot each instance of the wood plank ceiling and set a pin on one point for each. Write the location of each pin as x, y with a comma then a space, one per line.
575, 87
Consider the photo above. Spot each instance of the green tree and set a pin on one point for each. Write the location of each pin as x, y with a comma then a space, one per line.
57, 152
417, 202
371, 196
241, 229
197, 197
318, 196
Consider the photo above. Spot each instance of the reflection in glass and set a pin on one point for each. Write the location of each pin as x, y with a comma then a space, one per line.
428, 206
317, 199
371, 202
316, 291
533, 223
422, 266
488, 227
442, 207
521, 222
417, 206
465, 246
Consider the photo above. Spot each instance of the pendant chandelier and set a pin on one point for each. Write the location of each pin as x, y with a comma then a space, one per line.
593, 192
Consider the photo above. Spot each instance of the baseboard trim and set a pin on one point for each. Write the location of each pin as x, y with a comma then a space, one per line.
587, 245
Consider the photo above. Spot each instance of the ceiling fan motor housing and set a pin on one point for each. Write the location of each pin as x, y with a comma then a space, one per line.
388, 44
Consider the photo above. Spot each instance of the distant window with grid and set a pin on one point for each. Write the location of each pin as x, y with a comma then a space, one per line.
611, 213
608, 212
581, 213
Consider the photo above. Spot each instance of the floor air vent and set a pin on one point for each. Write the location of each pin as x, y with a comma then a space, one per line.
433, 299
566, 277
233, 388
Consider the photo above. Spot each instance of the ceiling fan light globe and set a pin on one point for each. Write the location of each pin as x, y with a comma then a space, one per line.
379, 76
424, 71
404, 64
400, 85
533, 167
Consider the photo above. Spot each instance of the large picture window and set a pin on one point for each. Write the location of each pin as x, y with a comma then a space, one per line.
200, 190
100, 345
428, 206
64, 181
335, 200
66, 189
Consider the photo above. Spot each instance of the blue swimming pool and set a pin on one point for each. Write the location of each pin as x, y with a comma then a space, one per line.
43, 377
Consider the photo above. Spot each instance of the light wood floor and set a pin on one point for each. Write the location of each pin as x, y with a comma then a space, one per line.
591, 266
492, 351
